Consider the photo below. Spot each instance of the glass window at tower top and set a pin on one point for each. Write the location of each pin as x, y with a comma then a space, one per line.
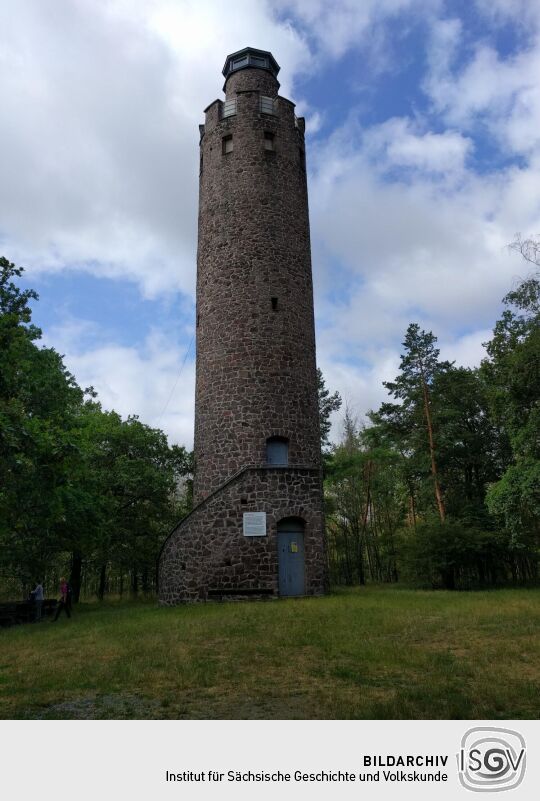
267, 105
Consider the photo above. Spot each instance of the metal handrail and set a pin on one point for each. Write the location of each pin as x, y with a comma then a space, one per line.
234, 477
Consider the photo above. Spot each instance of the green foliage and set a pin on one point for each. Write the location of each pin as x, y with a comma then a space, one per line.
413, 418
513, 368
364, 506
419, 365
328, 403
472, 451
512, 373
38, 403
475, 436
515, 501
452, 555
123, 499
80, 488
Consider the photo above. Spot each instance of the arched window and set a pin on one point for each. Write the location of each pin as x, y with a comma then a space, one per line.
292, 524
277, 451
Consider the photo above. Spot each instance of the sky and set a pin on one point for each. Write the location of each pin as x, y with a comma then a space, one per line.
423, 155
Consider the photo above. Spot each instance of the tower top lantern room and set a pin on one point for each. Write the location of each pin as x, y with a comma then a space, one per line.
240, 72
257, 436
250, 57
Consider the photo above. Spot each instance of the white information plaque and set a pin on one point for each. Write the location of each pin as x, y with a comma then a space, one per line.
254, 524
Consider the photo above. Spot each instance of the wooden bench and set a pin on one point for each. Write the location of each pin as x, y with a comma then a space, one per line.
216, 592
15, 612
49, 607
25, 611
8, 615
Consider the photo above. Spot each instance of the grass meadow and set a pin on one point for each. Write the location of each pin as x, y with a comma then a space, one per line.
374, 652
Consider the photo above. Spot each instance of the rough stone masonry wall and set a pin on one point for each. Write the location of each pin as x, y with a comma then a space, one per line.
208, 551
256, 374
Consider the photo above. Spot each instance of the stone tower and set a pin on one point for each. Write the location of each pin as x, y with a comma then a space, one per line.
257, 525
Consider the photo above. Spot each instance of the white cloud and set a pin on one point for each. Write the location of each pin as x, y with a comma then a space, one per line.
446, 36
343, 24
410, 248
467, 350
402, 142
314, 118
500, 93
100, 107
155, 381
100, 111
522, 13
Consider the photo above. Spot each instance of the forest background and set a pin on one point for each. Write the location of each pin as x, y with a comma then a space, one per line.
439, 487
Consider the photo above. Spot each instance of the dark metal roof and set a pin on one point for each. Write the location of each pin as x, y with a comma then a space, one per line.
250, 57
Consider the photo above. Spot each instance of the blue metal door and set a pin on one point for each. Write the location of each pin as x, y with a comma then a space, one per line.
291, 562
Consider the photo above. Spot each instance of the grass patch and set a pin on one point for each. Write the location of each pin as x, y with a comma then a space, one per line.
373, 652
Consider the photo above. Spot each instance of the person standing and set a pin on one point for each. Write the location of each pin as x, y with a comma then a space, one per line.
65, 601
38, 598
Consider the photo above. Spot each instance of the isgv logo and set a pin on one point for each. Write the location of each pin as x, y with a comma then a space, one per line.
491, 759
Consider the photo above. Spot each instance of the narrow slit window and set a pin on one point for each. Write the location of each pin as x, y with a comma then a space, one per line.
227, 145
274, 304
269, 140
302, 157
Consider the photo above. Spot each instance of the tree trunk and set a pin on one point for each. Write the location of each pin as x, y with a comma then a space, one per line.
393, 561
427, 412
75, 576
448, 578
412, 513
365, 515
102, 580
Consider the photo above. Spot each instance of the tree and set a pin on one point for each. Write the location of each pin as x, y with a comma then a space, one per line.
364, 507
512, 374
122, 500
80, 488
418, 369
452, 555
472, 450
528, 248
328, 403
447, 446
38, 402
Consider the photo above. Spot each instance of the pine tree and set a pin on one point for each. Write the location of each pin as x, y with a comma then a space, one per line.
418, 368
